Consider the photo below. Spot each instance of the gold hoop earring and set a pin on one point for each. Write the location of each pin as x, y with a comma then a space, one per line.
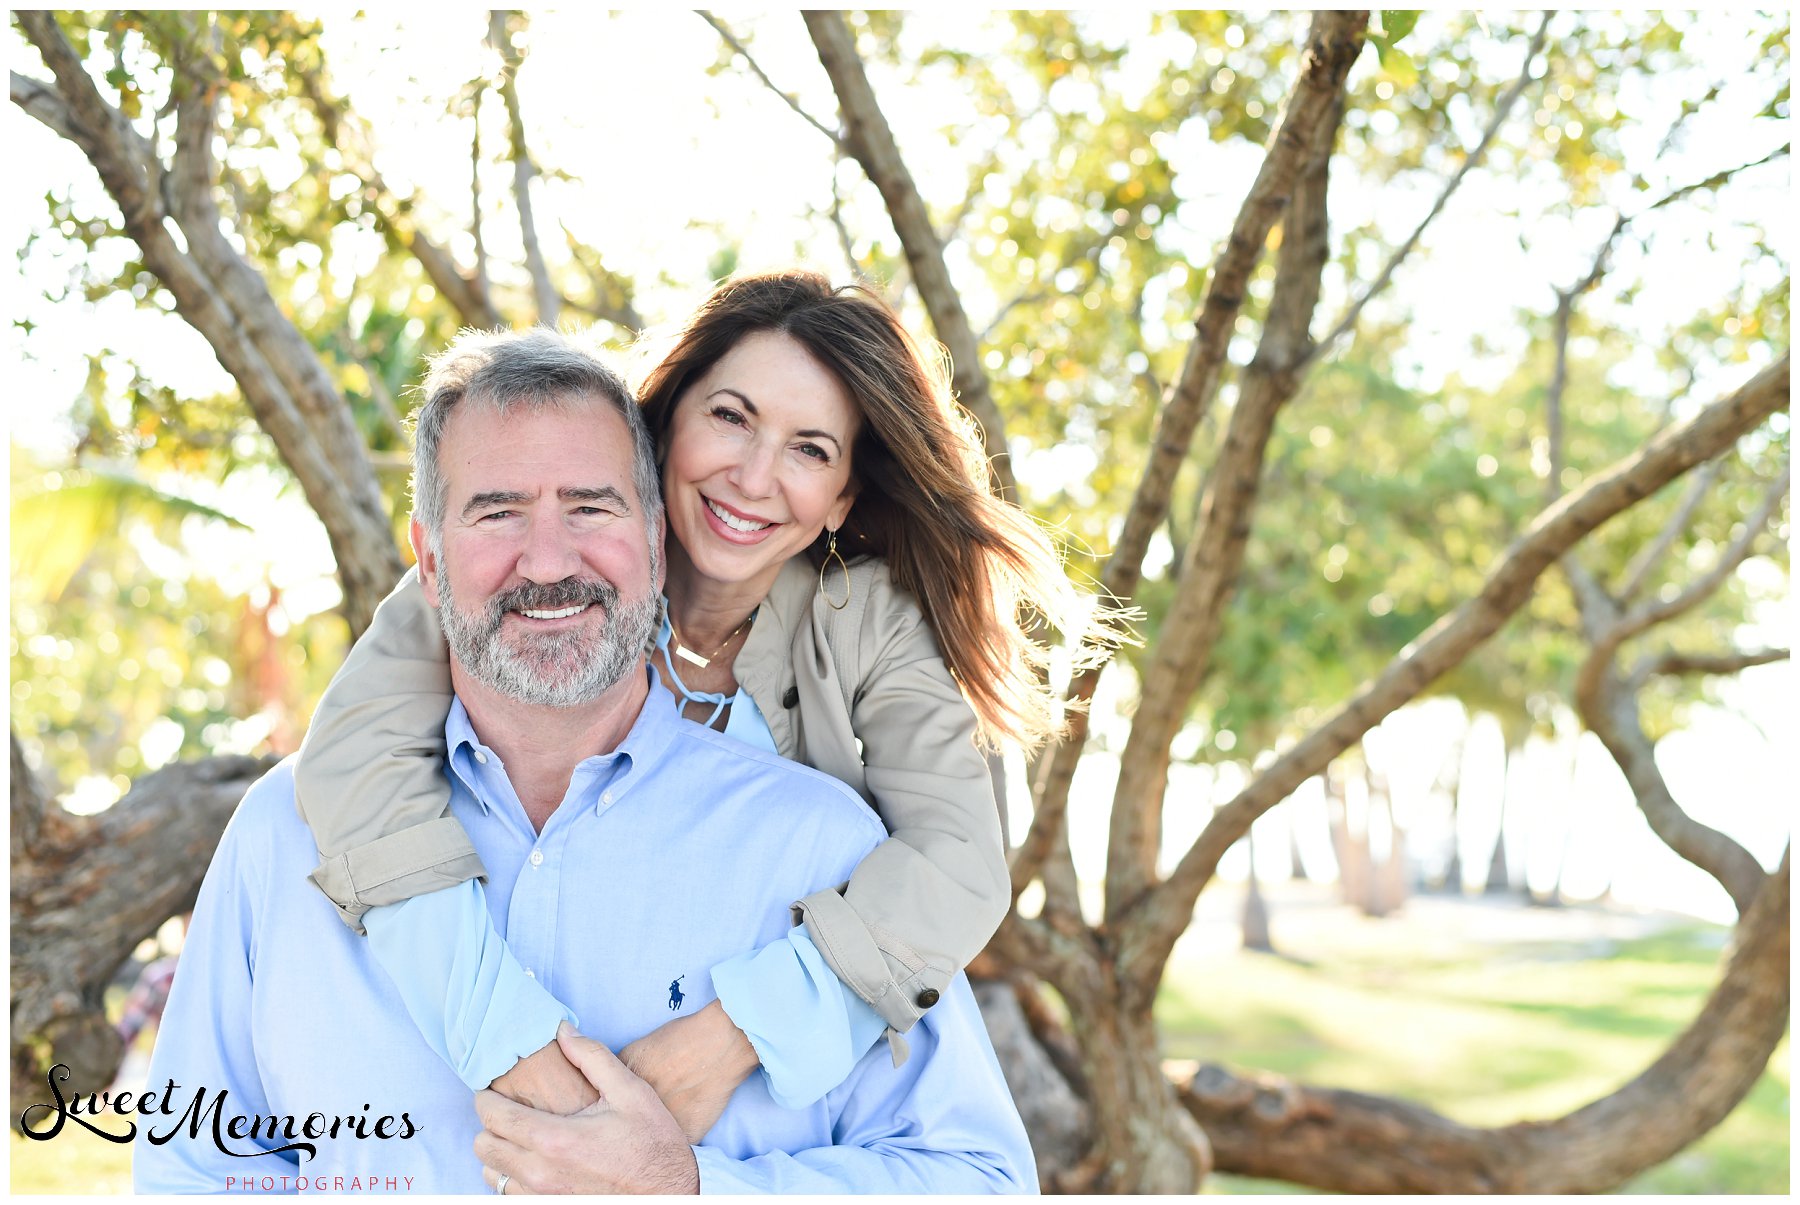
831, 553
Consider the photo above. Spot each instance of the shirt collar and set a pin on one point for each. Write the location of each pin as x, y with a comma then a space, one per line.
612, 775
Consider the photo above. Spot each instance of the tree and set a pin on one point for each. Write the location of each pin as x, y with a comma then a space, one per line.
1210, 442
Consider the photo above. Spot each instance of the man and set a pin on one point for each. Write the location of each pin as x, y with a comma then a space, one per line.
627, 850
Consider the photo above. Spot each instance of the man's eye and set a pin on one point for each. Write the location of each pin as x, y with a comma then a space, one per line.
497, 514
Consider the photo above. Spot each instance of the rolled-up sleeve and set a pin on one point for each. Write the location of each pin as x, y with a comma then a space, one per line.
370, 781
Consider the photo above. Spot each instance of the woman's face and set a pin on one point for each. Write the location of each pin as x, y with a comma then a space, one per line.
758, 460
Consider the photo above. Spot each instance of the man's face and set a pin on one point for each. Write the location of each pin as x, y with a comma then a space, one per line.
542, 575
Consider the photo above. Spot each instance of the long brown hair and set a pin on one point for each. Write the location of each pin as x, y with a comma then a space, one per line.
980, 567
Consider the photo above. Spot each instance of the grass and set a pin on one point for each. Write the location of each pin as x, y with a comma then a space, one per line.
75, 1161
1488, 1033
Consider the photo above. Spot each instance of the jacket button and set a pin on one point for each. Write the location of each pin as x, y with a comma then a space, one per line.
928, 997
791, 699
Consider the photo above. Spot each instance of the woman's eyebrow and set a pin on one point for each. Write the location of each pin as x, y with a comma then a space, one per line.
811, 433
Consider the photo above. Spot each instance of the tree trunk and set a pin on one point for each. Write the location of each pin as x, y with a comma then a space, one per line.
1499, 881
1350, 844
1268, 1126
1256, 909
86, 890
1056, 1118
1143, 1140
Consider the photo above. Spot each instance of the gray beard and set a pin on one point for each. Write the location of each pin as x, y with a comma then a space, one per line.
549, 669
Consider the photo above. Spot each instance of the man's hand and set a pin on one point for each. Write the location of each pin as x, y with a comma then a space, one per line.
547, 1080
695, 1064
625, 1142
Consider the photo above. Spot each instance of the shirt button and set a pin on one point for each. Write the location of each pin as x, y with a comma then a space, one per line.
530, 974
606, 797
928, 997
481, 757
537, 857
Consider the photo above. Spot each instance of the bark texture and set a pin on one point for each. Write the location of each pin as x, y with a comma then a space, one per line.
86, 890
222, 297
1268, 1126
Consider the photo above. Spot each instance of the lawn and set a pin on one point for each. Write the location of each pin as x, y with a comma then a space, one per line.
1489, 1013
1488, 1031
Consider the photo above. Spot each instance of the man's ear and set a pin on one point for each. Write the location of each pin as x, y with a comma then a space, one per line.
428, 562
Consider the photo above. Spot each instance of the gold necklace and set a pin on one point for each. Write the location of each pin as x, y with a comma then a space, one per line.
687, 654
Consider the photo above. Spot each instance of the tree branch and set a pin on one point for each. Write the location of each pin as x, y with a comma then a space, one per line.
87, 889
787, 98
549, 301
612, 300
1638, 571
471, 298
1672, 662
41, 101
1152, 929
1642, 617
478, 90
1214, 556
1502, 109
869, 139
1332, 44
1268, 1126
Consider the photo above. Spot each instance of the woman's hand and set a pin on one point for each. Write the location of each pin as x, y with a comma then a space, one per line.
547, 1080
695, 1064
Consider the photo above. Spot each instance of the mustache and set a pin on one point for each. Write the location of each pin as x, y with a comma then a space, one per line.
554, 596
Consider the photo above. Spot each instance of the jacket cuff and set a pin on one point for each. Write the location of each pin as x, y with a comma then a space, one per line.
415, 861
890, 976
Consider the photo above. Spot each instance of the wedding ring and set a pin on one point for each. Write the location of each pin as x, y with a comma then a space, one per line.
501, 1183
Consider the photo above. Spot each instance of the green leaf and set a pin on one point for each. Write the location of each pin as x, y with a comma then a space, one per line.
55, 529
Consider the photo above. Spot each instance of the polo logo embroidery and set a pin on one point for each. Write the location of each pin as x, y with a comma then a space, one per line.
675, 994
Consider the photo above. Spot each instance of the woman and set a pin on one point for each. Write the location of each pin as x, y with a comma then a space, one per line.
841, 589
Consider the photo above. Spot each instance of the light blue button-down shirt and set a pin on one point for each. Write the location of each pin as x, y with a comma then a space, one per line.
667, 856
477, 1007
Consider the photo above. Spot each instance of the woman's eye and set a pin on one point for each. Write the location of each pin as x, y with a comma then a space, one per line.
815, 452
727, 414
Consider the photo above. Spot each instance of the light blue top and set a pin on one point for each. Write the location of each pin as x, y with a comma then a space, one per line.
479, 1010
664, 858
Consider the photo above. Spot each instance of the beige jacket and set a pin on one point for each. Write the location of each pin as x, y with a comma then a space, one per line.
862, 694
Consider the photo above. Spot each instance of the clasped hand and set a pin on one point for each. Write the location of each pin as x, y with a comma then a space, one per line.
581, 1120
626, 1141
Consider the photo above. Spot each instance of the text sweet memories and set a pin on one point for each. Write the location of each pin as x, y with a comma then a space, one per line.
206, 1110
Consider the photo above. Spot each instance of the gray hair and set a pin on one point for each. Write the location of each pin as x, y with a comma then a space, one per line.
501, 371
